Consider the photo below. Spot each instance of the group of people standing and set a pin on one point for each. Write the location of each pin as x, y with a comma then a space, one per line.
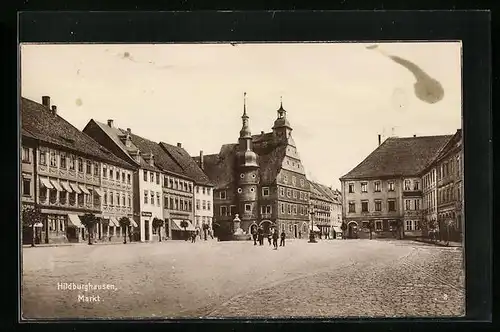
272, 236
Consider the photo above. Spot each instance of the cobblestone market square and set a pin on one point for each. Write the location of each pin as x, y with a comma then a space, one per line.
178, 279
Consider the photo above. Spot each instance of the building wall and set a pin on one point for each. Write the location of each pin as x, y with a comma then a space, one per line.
204, 205
372, 191
111, 186
149, 210
178, 201
61, 166
27, 185
429, 191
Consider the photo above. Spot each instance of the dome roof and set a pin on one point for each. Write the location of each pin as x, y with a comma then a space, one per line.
247, 159
281, 121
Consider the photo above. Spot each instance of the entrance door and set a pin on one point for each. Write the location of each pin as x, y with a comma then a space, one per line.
352, 231
146, 230
295, 230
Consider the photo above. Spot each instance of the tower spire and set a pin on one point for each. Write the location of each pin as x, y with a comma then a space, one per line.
281, 101
244, 104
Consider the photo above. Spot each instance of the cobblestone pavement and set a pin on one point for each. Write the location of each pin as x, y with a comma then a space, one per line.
178, 279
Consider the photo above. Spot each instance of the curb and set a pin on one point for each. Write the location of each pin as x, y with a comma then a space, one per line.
451, 245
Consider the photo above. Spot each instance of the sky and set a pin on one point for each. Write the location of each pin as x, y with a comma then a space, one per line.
338, 96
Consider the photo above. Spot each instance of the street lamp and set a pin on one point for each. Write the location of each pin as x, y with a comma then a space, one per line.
312, 238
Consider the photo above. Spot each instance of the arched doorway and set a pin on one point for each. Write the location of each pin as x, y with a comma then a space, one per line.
352, 230
266, 225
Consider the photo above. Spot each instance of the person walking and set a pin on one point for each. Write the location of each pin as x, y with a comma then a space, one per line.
275, 240
282, 242
260, 234
270, 236
193, 237
254, 236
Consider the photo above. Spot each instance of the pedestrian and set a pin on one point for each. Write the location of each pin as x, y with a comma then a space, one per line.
260, 235
282, 242
193, 237
210, 232
254, 236
275, 240
270, 236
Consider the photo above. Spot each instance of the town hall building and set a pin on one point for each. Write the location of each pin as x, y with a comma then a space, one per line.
260, 178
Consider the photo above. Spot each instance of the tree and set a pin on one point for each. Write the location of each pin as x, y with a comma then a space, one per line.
184, 224
31, 216
89, 220
371, 227
124, 224
158, 224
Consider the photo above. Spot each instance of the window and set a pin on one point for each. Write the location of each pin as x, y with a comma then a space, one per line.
265, 191
294, 194
407, 184
105, 198
26, 187
363, 187
171, 205
204, 204
158, 199
26, 155
43, 156
242, 175
232, 210
110, 174
416, 185
197, 189
285, 178
223, 210
289, 208
104, 172
157, 178
294, 180
152, 194
203, 190
190, 206
282, 208
88, 168
111, 198
351, 188
391, 205
176, 205
252, 189
409, 225
62, 161
416, 225
123, 177
377, 186
223, 194
407, 204
117, 199
248, 207
165, 202
96, 169
364, 206
145, 197
53, 159
378, 205
378, 225
240, 190
128, 178
208, 190
123, 200
145, 176
302, 182
294, 209
117, 175
129, 201
197, 204
390, 186
72, 162
151, 177
417, 204
185, 186
208, 206
288, 193
170, 183
282, 191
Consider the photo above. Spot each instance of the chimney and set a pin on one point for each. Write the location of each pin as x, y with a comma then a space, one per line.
129, 130
179, 145
379, 139
110, 123
54, 109
46, 101
201, 160
414, 135
262, 132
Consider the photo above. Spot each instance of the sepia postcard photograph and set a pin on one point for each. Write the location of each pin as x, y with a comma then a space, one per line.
241, 180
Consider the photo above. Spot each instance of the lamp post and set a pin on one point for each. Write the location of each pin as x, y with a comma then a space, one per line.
312, 238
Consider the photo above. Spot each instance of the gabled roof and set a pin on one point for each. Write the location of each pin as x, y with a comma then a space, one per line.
405, 156
318, 191
454, 142
39, 122
187, 164
221, 168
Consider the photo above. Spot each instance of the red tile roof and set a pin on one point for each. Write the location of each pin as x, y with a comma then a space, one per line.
405, 156
41, 123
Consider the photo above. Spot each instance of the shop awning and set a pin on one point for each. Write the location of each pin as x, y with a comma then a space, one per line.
46, 183
133, 223
75, 220
316, 228
337, 229
84, 189
74, 186
66, 187
98, 191
56, 185
113, 222
177, 225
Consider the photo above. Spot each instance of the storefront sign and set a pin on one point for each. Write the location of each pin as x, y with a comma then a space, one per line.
146, 214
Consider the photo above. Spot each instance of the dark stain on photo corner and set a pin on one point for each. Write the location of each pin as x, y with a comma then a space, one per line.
426, 88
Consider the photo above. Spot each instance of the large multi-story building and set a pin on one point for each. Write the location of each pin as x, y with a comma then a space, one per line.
203, 197
62, 169
450, 188
322, 204
147, 187
261, 178
386, 187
